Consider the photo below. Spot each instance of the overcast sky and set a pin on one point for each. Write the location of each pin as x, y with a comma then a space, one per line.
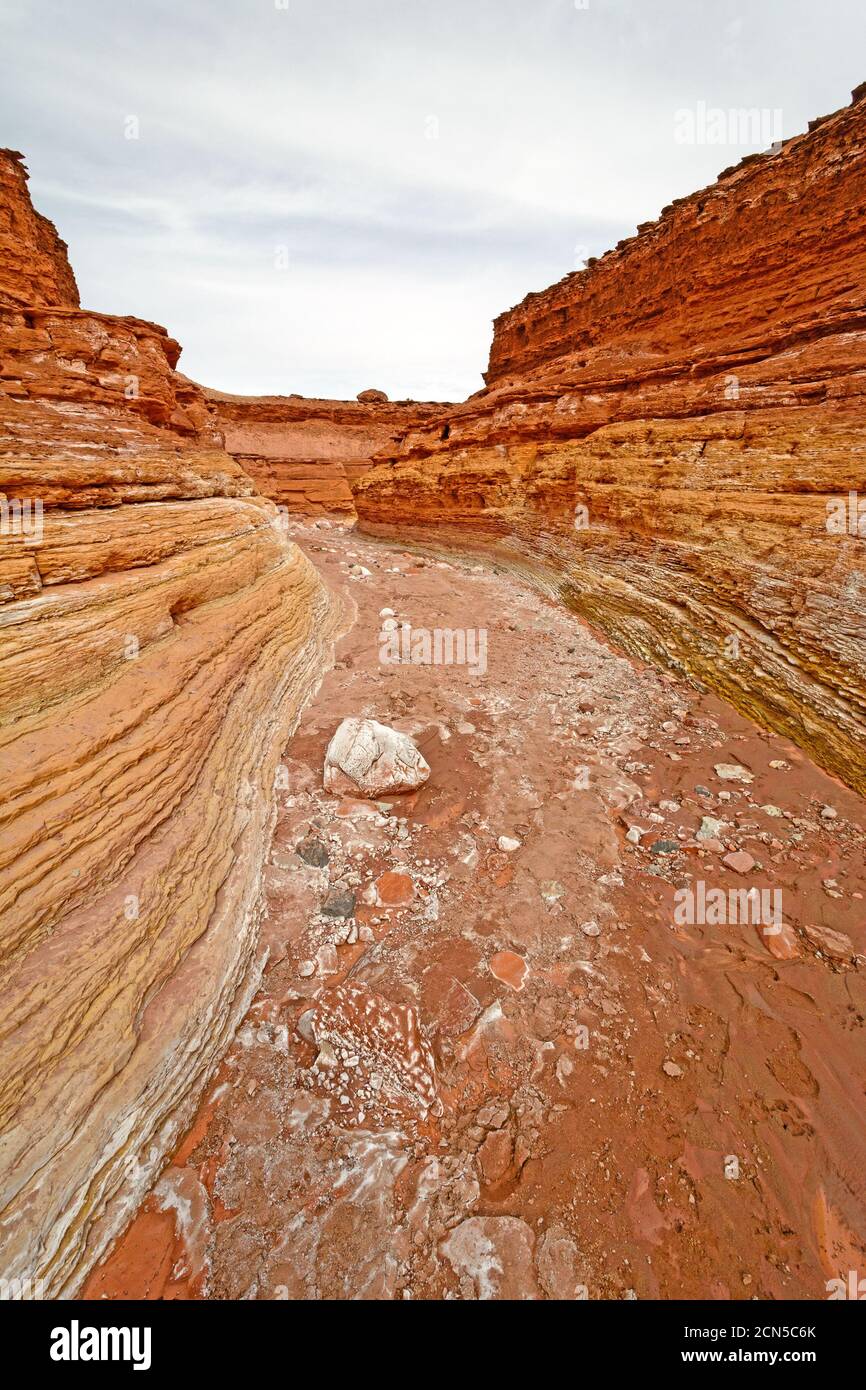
326, 195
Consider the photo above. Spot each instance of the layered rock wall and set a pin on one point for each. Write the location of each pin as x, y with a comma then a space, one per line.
675, 439
305, 453
158, 636
34, 266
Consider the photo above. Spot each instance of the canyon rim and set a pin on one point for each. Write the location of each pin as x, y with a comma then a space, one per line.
431, 844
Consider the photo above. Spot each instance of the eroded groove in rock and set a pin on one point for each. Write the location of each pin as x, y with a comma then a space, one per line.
675, 437
160, 634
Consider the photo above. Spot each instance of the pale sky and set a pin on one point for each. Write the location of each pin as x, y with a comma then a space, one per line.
327, 195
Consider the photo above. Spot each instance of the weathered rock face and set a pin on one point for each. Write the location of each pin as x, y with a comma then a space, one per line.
159, 636
34, 268
304, 453
675, 438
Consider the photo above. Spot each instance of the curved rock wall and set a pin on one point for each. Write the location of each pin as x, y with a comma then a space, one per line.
158, 637
676, 439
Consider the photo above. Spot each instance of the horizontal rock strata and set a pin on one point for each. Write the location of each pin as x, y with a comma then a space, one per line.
158, 636
675, 438
304, 453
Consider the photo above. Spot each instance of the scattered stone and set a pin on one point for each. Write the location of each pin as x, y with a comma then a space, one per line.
456, 1010
327, 960
711, 828
556, 1259
634, 835
829, 813
665, 847
306, 1022
495, 1155
671, 1069
494, 1255
834, 944
564, 1068
773, 811
385, 1039
551, 891
733, 772
339, 903
373, 759
739, 861
510, 968
306, 969
780, 941
507, 844
394, 890
590, 928
780, 765
312, 852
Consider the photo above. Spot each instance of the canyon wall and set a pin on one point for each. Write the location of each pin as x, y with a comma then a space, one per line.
158, 636
34, 266
675, 440
305, 453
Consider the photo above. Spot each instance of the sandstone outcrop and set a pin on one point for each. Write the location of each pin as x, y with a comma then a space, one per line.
34, 267
159, 636
675, 440
304, 453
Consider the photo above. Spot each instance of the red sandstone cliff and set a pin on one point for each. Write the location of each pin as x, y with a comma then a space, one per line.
159, 636
305, 453
666, 435
34, 268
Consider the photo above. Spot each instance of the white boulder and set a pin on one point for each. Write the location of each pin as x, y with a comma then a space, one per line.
370, 759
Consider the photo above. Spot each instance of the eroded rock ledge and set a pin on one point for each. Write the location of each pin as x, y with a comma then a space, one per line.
303, 452
665, 436
159, 636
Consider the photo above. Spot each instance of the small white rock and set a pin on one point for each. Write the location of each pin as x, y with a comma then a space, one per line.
733, 772
507, 844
